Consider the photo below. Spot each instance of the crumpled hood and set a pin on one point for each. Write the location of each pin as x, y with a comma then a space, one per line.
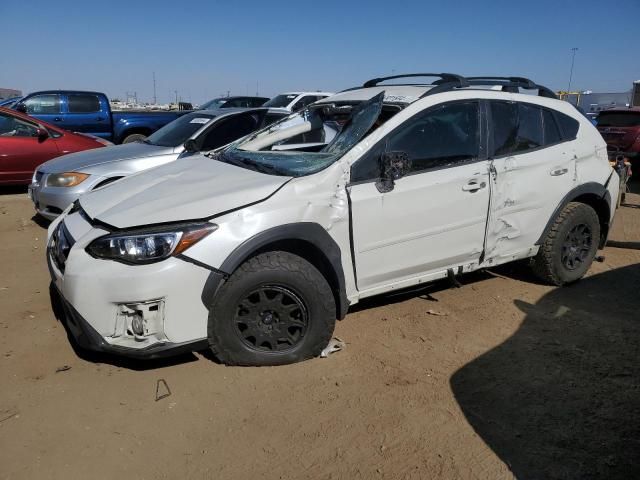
193, 188
77, 162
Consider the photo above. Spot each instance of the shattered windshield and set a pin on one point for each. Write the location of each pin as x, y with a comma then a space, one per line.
305, 142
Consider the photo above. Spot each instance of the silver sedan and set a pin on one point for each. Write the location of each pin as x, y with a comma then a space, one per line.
59, 182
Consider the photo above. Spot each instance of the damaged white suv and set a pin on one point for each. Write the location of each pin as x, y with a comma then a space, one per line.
255, 249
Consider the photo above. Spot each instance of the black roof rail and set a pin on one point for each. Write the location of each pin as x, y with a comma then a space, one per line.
513, 82
443, 78
452, 81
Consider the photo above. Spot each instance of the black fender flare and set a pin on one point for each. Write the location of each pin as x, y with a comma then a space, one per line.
593, 188
308, 232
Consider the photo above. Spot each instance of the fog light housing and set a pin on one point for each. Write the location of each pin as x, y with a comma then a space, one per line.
140, 320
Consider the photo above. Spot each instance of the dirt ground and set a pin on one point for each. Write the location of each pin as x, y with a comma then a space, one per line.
500, 378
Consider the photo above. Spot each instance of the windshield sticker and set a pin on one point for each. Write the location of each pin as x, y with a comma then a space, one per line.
399, 98
200, 120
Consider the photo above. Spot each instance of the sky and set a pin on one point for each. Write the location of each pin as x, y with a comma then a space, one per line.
204, 49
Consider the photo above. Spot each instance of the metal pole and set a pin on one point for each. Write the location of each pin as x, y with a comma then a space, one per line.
573, 59
155, 100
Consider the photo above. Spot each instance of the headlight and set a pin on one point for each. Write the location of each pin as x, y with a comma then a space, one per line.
66, 179
149, 246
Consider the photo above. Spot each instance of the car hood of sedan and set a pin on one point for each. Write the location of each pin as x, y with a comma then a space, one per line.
77, 162
196, 187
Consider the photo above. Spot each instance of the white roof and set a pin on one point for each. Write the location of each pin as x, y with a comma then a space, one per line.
393, 94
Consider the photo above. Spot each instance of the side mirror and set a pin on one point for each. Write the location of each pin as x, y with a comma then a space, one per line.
191, 146
393, 165
42, 134
21, 107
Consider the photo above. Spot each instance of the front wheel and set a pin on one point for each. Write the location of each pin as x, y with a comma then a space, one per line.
277, 308
570, 245
134, 137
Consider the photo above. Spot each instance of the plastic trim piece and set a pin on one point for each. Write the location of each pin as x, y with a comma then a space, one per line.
308, 232
587, 188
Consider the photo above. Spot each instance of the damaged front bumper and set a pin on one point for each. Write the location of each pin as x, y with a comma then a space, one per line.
86, 337
145, 311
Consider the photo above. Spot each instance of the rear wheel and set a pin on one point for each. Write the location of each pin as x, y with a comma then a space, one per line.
275, 309
134, 137
570, 245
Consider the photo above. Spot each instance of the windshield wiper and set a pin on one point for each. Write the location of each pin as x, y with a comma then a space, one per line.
147, 141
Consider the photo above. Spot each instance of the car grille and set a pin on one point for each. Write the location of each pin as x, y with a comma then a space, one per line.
60, 245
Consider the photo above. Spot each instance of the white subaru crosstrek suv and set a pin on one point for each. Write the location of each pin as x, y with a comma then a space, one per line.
256, 248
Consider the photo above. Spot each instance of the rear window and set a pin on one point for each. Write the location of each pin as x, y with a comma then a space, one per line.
568, 126
521, 127
551, 132
83, 103
619, 119
529, 127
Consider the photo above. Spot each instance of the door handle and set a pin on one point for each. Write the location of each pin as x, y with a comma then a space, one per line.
57, 119
556, 172
474, 186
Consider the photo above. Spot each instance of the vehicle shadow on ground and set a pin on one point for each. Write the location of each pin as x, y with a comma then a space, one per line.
41, 221
560, 399
13, 190
117, 361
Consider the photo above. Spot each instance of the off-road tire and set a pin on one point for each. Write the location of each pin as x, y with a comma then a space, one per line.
134, 137
548, 264
281, 269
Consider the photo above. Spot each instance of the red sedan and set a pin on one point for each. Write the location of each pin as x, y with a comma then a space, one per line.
26, 142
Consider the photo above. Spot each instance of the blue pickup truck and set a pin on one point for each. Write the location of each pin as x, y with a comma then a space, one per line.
90, 112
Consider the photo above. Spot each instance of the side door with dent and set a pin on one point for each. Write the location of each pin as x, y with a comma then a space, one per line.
435, 217
532, 169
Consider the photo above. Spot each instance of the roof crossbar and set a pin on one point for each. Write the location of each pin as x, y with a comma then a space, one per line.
513, 82
443, 78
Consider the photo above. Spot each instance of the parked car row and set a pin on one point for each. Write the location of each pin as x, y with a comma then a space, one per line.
26, 142
58, 183
57, 113
255, 247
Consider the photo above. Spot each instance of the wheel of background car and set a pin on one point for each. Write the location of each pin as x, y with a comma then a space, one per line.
134, 137
275, 309
570, 245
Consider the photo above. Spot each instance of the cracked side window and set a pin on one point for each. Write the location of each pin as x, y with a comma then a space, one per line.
440, 137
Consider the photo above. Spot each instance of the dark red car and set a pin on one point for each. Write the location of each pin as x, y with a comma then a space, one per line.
26, 142
620, 128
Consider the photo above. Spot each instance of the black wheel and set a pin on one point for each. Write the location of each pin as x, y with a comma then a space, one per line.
570, 245
134, 137
275, 309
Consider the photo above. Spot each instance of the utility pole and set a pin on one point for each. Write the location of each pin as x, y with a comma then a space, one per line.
155, 99
573, 59
176, 92
257, 88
